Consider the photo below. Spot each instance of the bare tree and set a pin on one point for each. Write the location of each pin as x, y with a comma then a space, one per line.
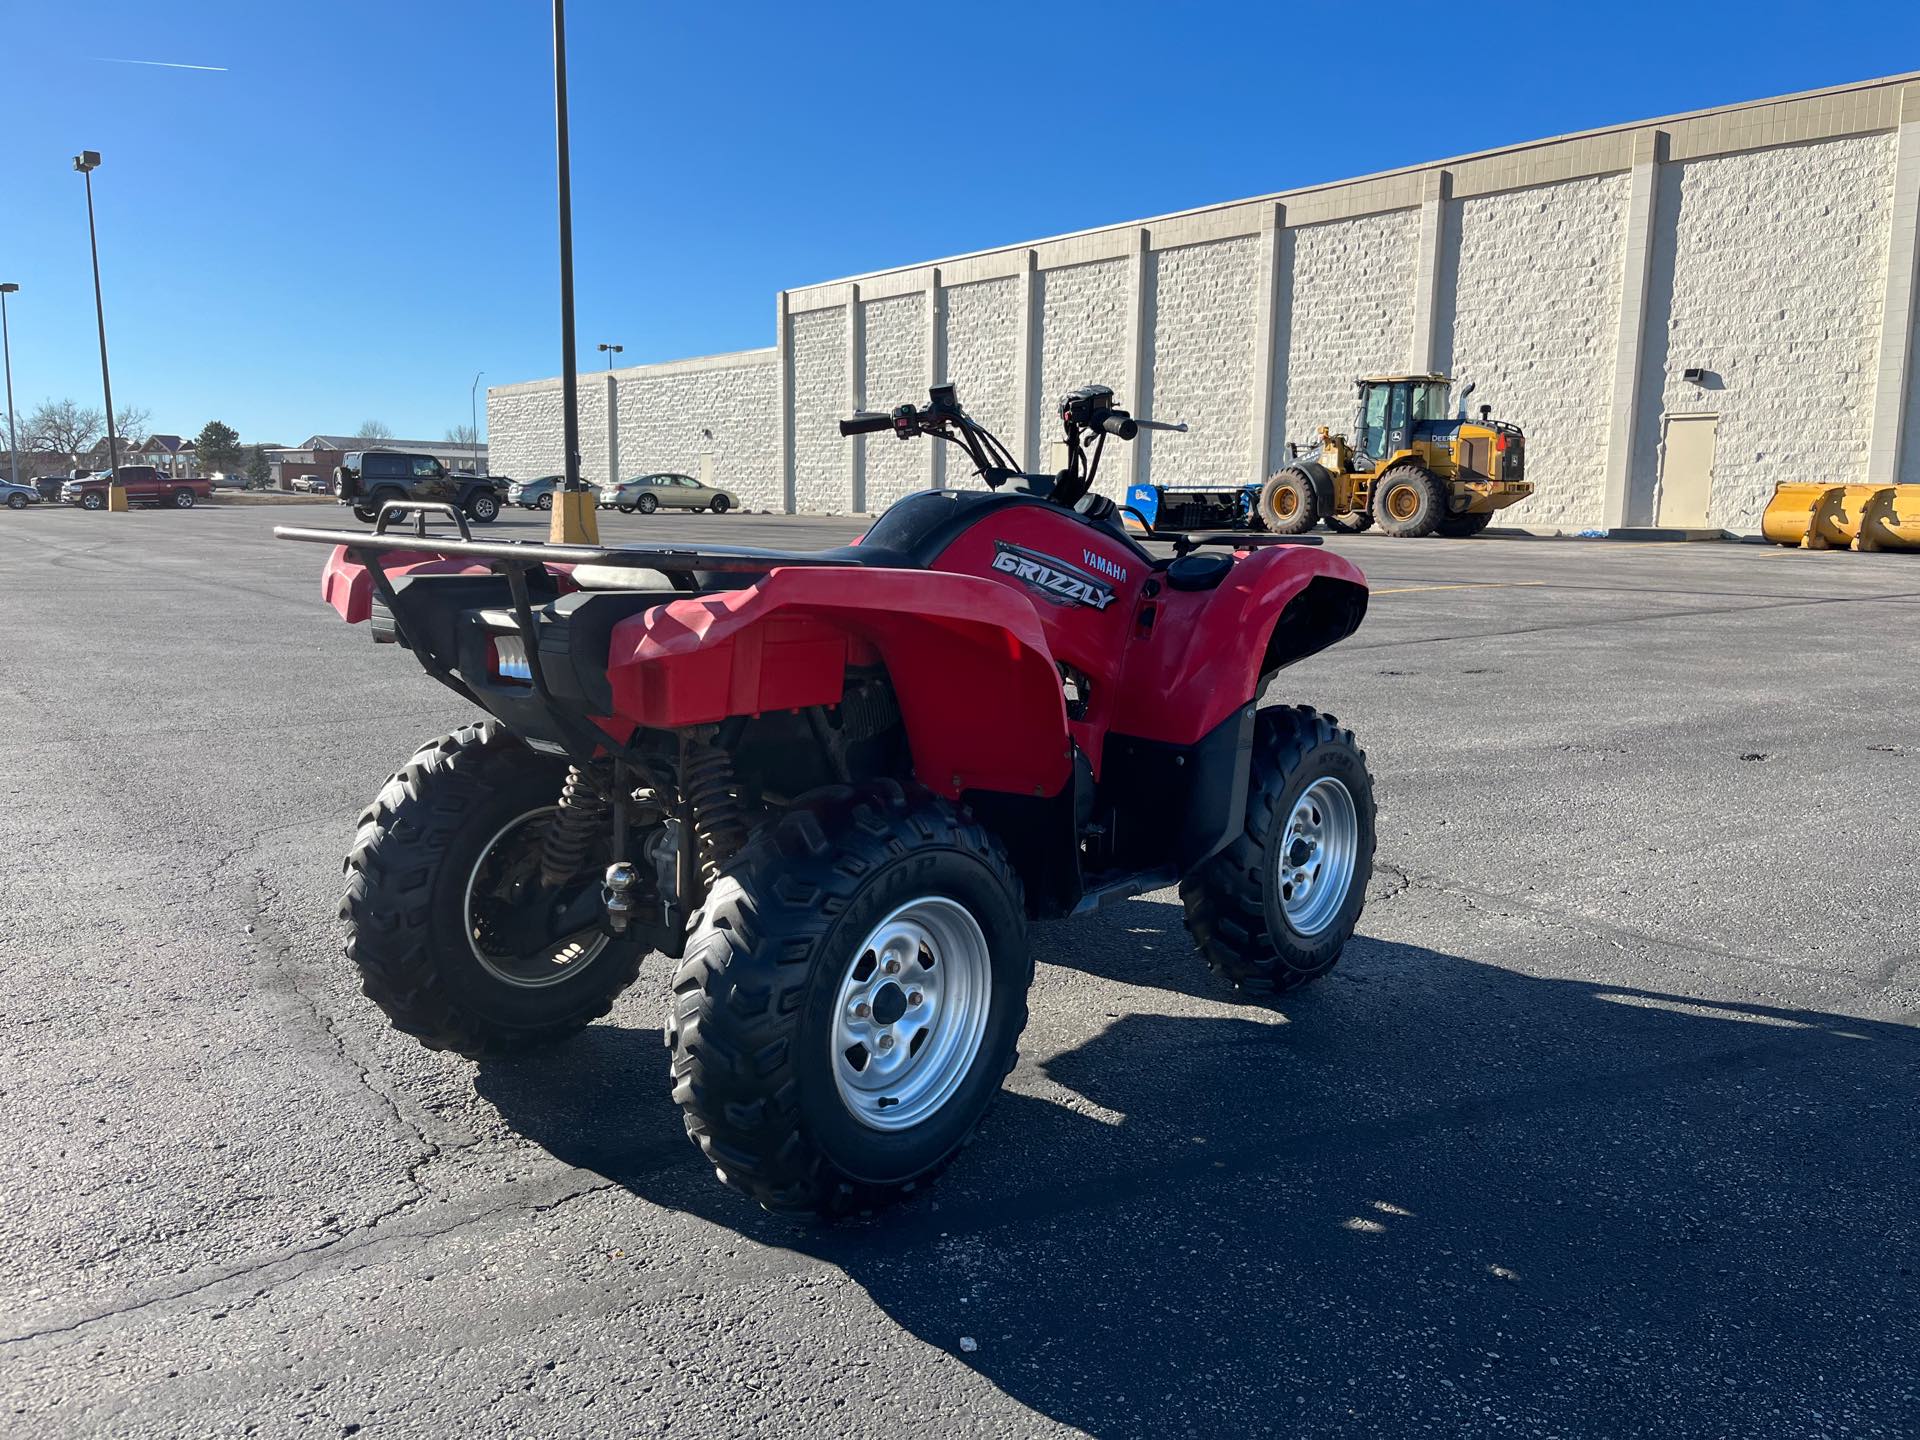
63, 427
373, 430
130, 423
462, 435
68, 429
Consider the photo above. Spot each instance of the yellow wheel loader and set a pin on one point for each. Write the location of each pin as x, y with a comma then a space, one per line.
1413, 468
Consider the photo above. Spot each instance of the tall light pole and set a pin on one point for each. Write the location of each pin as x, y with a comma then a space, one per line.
473, 417
86, 162
6, 346
611, 351
573, 517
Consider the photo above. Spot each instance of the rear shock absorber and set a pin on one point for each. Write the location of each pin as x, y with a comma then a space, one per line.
582, 816
719, 819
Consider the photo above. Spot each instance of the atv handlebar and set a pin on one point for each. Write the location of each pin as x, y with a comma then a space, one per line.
1087, 413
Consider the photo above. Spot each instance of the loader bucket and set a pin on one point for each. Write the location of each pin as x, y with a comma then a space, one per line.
1892, 519
1836, 519
1789, 514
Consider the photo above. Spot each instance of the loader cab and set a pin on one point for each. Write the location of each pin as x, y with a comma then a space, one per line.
1393, 408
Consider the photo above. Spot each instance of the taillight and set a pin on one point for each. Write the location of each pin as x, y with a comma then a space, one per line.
507, 659
1500, 443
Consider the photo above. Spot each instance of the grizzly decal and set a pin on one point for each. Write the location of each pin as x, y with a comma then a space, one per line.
1051, 579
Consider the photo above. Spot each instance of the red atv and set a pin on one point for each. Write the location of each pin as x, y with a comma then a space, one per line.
836, 786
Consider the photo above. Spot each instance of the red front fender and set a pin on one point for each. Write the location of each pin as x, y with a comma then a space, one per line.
1209, 647
977, 686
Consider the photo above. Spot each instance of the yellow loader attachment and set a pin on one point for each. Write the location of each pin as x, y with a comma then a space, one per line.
1789, 515
1892, 519
1843, 517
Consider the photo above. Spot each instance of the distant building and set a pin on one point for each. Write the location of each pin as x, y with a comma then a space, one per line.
169, 454
318, 454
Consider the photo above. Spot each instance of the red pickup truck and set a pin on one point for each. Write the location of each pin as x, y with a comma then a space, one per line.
145, 486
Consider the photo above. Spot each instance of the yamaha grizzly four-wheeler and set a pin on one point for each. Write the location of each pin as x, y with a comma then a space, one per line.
835, 786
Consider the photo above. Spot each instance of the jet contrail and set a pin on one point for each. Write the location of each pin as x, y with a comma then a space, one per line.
163, 64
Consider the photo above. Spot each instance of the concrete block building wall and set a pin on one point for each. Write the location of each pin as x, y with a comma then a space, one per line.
525, 430
984, 330
1083, 340
1770, 246
1530, 294
1202, 346
1351, 307
673, 415
1768, 269
650, 418
896, 370
821, 399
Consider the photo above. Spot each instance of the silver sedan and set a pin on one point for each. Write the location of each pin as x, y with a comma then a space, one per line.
648, 493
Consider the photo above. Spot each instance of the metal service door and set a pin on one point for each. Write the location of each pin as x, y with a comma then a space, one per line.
1686, 475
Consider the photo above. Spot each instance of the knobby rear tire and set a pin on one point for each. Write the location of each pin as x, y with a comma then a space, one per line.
405, 911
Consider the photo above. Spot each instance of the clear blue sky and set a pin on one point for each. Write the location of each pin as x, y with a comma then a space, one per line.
357, 213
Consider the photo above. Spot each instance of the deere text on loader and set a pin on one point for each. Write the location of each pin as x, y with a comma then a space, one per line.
1411, 467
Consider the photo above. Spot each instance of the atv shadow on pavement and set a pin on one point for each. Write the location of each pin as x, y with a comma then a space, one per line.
1429, 1193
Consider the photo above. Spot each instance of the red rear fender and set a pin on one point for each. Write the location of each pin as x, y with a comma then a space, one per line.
348, 588
977, 687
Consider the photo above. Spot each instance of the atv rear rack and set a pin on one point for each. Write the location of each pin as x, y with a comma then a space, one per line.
514, 560
732, 559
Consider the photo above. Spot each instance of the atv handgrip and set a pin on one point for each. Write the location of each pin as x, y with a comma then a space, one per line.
866, 424
1122, 425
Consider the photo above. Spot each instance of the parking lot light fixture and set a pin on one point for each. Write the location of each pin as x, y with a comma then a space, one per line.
6, 348
86, 162
610, 351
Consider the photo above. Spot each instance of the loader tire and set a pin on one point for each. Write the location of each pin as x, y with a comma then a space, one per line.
1257, 921
785, 1083
455, 817
1351, 523
1408, 502
1287, 504
1458, 527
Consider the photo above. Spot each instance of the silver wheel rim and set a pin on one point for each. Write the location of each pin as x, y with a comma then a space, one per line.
1314, 866
560, 961
911, 1013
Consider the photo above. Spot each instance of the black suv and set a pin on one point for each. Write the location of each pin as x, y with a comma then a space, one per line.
367, 479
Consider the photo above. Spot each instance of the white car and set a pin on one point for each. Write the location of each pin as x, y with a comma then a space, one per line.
648, 493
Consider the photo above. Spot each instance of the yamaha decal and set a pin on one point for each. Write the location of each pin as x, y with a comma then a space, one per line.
1051, 579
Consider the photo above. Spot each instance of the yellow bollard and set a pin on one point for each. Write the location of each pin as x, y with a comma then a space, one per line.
576, 521
1836, 519
116, 497
1790, 513
1891, 520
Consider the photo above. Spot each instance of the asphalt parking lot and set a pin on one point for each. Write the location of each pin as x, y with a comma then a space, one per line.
1605, 1126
